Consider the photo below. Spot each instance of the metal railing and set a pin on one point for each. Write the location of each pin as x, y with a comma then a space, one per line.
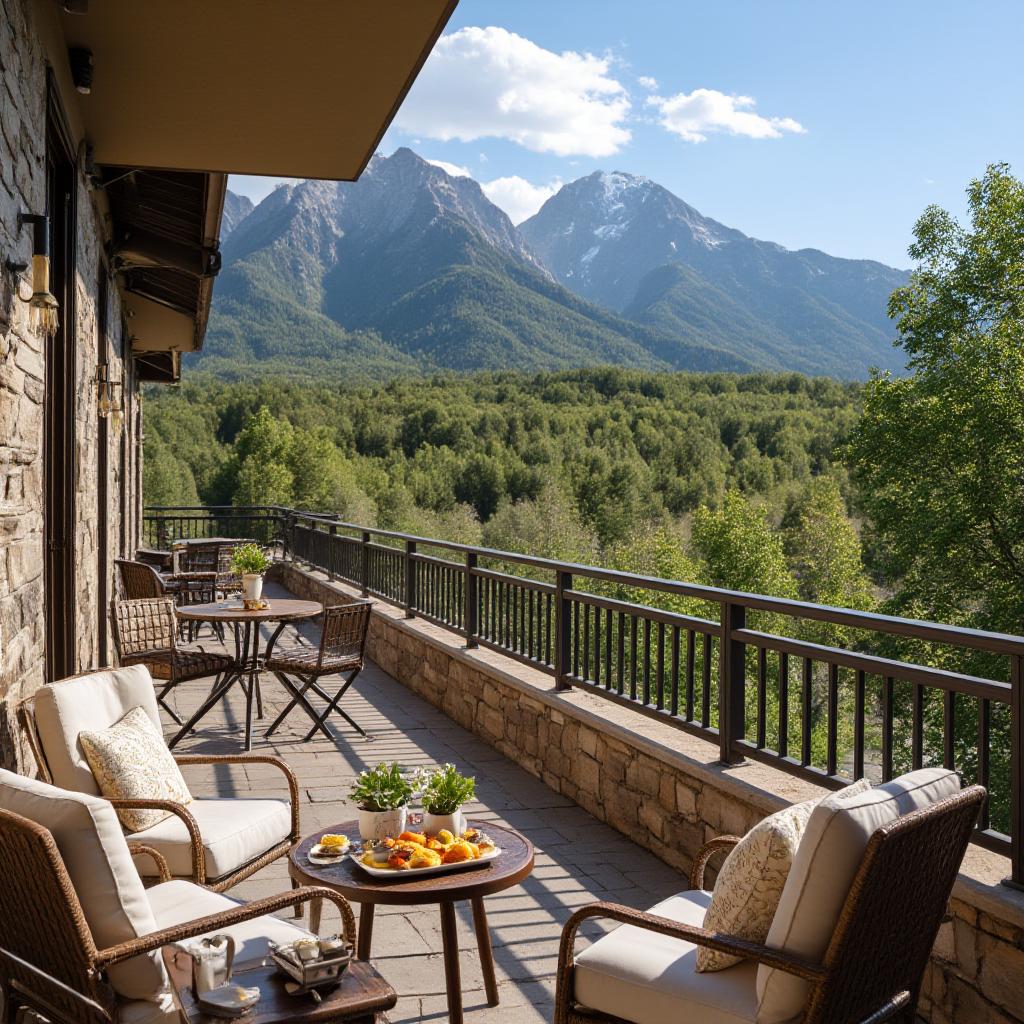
163, 525
724, 666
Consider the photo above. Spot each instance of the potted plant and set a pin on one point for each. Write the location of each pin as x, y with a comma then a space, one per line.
382, 795
250, 562
443, 796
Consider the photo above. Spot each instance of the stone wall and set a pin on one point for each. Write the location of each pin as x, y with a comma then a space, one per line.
22, 368
666, 790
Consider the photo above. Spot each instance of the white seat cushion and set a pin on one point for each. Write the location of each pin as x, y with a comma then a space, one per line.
88, 703
178, 901
649, 978
95, 854
826, 862
234, 832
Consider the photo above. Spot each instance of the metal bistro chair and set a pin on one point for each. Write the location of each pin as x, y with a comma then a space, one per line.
342, 644
146, 633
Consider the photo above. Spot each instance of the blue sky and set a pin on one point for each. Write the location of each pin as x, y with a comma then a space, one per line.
811, 124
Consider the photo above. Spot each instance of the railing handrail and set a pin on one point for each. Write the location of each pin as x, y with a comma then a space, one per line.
920, 629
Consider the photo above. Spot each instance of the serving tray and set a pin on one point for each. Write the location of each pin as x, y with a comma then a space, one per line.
440, 869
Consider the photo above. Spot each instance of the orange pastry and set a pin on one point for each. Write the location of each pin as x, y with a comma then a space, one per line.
460, 850
414, 837
424, 858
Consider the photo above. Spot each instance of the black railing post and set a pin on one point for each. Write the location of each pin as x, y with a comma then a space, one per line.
1016, 879
410, 579
563, 630
331, 546
364, 577
731, 683
469, 616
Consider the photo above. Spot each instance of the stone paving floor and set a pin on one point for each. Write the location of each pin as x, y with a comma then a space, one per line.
578, 859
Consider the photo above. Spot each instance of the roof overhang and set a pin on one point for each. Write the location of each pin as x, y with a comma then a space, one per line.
249, 86
158, 367
185, 92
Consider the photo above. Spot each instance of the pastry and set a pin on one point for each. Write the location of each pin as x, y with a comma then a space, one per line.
460, 850
424, 858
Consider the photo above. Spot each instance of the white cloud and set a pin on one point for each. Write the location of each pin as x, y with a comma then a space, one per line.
696, 115
491, 83
455, 170
647, 82
518, 197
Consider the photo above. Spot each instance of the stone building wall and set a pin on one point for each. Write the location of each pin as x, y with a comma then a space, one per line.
23, 84
666, 791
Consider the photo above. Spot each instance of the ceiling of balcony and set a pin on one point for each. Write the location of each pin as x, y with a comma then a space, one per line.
249, 86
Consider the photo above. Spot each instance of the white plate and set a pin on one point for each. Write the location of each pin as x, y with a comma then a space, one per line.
224, 1001
314, 857
440, 869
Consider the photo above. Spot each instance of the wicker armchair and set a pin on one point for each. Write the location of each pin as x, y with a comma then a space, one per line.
875, 961
140, 579
50, 961
341, 650
146, 633
214, 842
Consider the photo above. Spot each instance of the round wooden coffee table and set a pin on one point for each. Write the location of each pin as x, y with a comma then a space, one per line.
248, 661
508, 869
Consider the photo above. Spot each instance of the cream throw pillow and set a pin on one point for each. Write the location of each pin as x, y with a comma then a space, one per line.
749, 886
130, 761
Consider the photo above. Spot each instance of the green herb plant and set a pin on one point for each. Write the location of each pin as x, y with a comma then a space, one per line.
382, 788
249, 560
446, 790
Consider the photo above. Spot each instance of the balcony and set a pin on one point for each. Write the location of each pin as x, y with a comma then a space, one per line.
620, 732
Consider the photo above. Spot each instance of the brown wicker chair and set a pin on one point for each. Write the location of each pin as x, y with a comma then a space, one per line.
49, 961
194, 815
874, 965
342, 645
139, 579
146, 633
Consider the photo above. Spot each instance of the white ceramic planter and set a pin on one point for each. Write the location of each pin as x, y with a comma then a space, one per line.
381, 824
455, 823
252, 587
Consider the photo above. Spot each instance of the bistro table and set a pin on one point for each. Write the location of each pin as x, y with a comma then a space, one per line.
248, 661
513, 864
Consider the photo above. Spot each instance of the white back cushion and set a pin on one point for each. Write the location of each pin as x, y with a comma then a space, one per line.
96, 856
826, 861
92, 703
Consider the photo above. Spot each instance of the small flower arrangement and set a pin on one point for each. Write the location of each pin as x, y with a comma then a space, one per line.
383, 788
446, 790
249, 560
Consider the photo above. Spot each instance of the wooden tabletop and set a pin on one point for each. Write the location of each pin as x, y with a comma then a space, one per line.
361, 994
185, 542
510, 867
279, 610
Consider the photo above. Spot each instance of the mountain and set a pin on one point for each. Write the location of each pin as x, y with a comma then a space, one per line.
411, 269
627, 243
236, 209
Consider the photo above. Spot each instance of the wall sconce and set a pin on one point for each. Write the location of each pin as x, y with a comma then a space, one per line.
42, 307
109, 402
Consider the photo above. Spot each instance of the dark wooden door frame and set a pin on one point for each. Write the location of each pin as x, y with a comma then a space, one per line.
59, 458
102, 473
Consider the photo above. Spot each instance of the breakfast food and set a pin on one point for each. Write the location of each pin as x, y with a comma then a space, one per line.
332, 841
413, 851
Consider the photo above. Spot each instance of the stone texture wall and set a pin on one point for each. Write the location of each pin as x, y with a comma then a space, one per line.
22, 375
665, 789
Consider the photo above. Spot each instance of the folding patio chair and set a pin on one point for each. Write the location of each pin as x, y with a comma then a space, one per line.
342, 643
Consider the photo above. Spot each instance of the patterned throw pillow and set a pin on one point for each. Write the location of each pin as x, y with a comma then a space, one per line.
130, 761
749, 886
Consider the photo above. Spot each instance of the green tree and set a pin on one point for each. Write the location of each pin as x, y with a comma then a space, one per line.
939, 455
166, 479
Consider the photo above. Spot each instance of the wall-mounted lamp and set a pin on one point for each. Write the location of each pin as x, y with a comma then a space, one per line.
42, 306
109, 402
